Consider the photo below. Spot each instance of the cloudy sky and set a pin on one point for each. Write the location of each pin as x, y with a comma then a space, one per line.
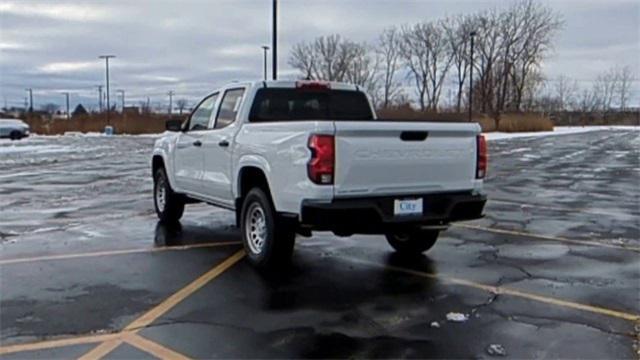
191, 47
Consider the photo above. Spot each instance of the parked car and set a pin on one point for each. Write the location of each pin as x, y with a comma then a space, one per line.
13, 129
295, 157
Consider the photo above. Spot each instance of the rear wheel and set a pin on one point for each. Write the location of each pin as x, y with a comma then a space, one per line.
15, 135
412, 242
268, 239
169, 205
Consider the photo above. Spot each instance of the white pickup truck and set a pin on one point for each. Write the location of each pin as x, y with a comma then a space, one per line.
292, 157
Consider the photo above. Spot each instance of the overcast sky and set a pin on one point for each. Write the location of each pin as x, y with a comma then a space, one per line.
191, 47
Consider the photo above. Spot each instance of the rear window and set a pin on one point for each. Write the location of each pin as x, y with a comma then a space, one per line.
295, 104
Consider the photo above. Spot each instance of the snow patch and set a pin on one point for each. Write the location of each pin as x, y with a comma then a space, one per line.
34, 149
457, 317
515, 151
496, 350
558, 130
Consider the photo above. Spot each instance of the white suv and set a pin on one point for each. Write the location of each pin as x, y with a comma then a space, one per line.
13, 129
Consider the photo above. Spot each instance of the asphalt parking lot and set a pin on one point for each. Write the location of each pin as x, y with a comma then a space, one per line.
552, 271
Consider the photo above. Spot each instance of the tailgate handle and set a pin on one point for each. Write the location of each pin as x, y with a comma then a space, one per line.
414, 135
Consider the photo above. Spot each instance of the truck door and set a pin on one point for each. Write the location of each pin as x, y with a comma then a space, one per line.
217, 145
189, 158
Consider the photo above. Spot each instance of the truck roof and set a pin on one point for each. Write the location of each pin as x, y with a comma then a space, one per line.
295, 83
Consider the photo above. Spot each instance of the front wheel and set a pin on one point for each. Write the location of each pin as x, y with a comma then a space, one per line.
268, 240
169, 205
413, 242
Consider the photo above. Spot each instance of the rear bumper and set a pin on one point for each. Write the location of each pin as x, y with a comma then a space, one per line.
375, 214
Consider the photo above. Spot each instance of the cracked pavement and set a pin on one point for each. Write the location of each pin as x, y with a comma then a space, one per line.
342, 297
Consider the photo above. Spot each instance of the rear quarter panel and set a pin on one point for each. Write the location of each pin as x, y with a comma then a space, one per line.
280, 150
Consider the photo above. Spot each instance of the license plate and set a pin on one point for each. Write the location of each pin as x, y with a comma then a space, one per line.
407, 207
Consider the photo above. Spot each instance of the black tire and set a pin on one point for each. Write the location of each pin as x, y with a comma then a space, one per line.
268, 239
412, 243
171, 209
15, 135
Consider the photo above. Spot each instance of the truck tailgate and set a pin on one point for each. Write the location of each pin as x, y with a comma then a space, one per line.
394, 158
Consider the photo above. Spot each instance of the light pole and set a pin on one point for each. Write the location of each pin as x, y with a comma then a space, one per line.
30, 90
99, 98
106, 60
274, 42
265, 49
170, 93
121, 93
66, 95
471, 35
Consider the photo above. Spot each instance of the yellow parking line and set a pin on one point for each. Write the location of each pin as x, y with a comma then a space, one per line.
173, 300
115, 252
57, 343
110, 341
549, 238
507, 291
101, 350
153, 348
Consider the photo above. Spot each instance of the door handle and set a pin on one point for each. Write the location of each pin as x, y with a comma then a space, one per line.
223, 143
197, 143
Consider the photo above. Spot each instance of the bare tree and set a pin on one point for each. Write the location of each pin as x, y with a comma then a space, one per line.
531, 89
389, 58
625, 81
334, 58
488, 55
512, 32
427, 52
510, 47
303, 58
415, 59
565, 90
605, 88
589, 100
458, 30
362, 70
539, 26
181, 104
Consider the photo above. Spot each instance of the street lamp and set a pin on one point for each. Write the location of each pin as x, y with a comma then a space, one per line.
106, 59
274, 42
66, 95
121, 92
265, 49
472, 35
30, 91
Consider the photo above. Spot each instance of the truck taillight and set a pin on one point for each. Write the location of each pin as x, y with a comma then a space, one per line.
322, 164
483, 157
313, 85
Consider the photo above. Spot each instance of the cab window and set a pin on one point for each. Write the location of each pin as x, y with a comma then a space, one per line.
229, 108
201, 115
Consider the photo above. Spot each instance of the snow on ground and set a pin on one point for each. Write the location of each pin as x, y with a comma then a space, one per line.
558, 130
27, 145
33, 149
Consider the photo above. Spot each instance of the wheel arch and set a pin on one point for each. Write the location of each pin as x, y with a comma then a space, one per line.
251, 176
248, 177
158, 161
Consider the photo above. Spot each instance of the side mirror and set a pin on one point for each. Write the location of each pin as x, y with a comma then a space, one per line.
174, 125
